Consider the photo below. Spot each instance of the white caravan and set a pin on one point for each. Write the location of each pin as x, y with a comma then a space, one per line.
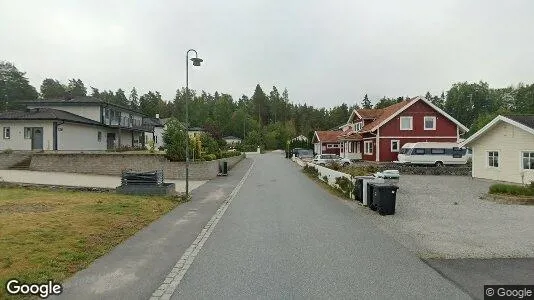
433, 153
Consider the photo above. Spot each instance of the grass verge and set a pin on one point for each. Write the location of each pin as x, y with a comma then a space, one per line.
49, 234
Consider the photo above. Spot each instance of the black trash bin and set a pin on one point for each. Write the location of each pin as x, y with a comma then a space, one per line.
358, 190
225, 168
370, 195
385, 198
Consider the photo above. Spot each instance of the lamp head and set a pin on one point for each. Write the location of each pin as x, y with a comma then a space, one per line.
196, 61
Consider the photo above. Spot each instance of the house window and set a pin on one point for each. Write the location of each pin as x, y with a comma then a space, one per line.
7, 133
27, 133
406, 123
528, 160
430, 123
493, 159
368, 147
359, 126
155, 139
99, 136
395, 146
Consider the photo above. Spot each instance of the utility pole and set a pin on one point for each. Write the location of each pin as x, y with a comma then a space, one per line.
5, 94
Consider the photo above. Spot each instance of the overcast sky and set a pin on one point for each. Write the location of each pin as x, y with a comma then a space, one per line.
323, 52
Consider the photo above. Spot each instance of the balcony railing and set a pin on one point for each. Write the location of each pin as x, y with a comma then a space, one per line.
127, 122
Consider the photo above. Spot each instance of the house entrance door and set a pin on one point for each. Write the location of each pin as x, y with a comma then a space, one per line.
37, 138
111, 141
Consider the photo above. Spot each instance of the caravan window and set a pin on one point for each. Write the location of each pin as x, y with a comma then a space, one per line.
405, 150
437, 151
418, 151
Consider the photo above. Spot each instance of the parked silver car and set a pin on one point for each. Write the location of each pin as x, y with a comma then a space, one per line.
325, 159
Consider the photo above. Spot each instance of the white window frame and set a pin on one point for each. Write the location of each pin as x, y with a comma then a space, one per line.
7, 133
398, 146
498, 159
521, 160
434, 122
411, 122
359, 126
368, 147
27, 133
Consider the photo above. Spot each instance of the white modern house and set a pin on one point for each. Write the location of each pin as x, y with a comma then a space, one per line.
72, 124
232, 140
504, 149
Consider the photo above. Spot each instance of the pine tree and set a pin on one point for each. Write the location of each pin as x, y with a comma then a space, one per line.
366, 103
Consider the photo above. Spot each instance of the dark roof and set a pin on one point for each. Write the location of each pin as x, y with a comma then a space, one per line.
527, 120
45, 114
78, 100
155, 122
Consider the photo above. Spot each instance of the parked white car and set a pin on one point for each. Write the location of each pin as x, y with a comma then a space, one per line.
430, 153
325, 159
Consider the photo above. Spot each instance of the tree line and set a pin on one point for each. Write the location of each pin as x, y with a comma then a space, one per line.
268, 118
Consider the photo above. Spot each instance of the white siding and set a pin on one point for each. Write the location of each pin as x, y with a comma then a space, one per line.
509, 141
17, 140
79, 137
89, 112
158, 133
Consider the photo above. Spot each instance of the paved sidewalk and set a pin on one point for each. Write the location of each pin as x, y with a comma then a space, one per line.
76, 179
135, 268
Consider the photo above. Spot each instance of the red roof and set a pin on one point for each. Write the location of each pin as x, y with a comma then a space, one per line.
386, 113
327, 136
370, 113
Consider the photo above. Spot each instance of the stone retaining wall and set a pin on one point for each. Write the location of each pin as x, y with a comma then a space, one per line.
114, 164
8, 160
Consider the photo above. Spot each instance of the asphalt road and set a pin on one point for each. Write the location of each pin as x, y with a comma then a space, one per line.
283, 237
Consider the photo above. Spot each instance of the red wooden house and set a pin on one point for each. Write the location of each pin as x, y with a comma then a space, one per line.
378, 134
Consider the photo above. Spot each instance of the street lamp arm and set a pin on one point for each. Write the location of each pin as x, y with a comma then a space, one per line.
192, 50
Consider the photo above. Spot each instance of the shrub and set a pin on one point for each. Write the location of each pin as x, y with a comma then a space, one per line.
360, 170
334, 165
509, 189
208, 157
151, 146
175, 139
325, 178
7, 151
225, 154
311, 171
345, 185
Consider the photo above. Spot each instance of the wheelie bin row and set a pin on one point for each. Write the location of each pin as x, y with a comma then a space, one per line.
376, 193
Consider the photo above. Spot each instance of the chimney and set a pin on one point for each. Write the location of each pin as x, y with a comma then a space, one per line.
157, 116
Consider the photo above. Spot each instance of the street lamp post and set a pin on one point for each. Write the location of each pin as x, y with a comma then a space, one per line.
196, 62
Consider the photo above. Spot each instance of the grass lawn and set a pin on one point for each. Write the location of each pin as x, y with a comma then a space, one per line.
48, 234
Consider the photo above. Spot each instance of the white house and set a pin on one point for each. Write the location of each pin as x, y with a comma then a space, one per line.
232, 140
73, 124
504, 149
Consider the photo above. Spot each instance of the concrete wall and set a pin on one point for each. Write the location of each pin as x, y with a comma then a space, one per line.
17, 140
89, 112
115, 163
509, 141
80, 137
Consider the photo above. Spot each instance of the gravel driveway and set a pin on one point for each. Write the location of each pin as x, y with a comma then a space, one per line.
428, 222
